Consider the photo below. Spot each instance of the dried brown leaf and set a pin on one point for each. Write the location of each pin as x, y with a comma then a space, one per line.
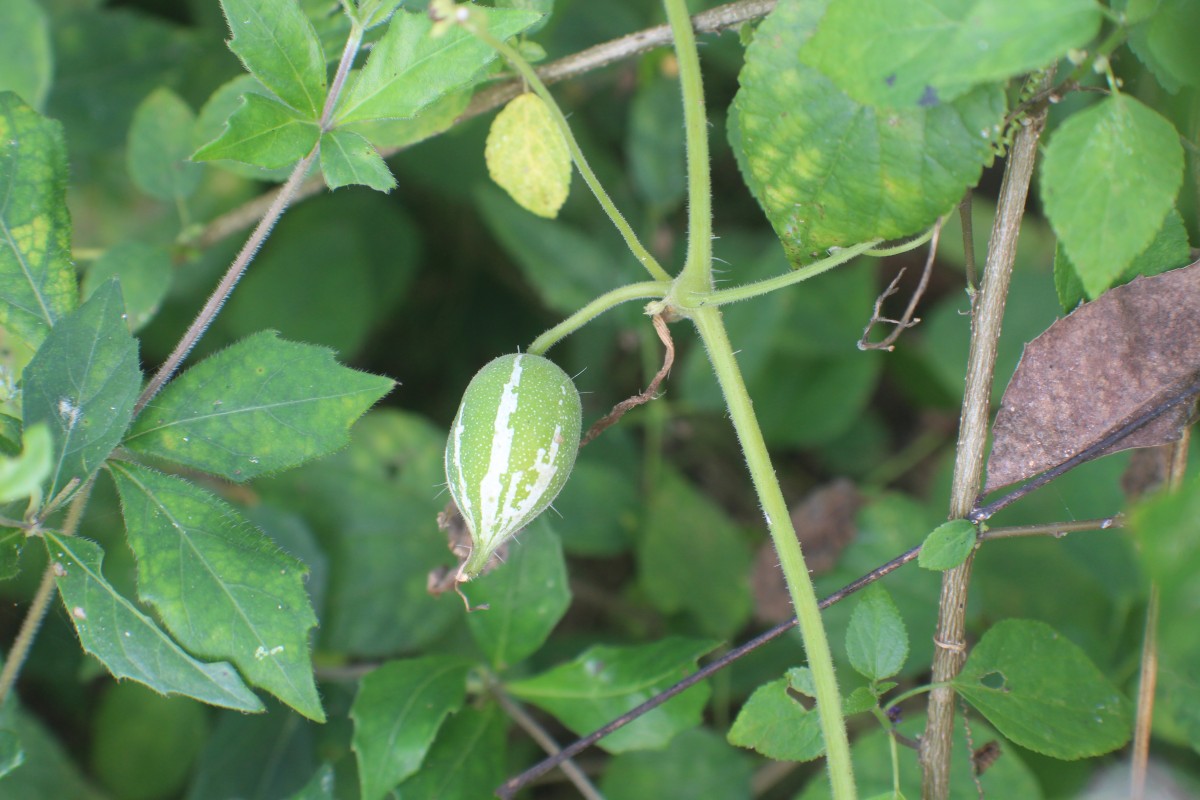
1103, 367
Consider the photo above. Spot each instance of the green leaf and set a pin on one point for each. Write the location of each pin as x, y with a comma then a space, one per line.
143, 744
948, 545
655, 148
279, 46
871, 754
26, 55
605, 682
222, 588
82, 383
408, 69
861, 700
10, 435
144, 272
45, 769
262, 132
128, 642
528, 157
829, 171
160, 143
372, 507
260, 406
222, 104
1110, 175
22, 476
397, 713
876, 641
567, 266
435, 118
913, 52
12, 540
697, 763
256, 756
11, 754
319, 787
775, 724
693, 559
1040, 690
525, 600
37, 279
467, 759
1164, 42
347, 159
1170, 249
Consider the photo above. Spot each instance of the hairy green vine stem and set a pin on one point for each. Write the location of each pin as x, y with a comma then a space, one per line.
988, 314
648, 290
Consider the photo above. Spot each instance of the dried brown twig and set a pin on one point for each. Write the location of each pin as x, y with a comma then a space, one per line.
907, 320
623, 407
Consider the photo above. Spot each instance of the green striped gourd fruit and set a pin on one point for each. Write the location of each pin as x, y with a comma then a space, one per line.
510, 450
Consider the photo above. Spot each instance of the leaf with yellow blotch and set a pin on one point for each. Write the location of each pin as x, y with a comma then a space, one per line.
528, 156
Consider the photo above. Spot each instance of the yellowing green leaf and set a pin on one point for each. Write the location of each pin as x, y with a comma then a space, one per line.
23, 475
528, 156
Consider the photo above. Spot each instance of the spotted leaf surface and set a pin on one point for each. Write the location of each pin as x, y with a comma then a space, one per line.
528, 156
511, 448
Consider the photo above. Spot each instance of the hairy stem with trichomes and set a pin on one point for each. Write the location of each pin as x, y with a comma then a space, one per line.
694, 281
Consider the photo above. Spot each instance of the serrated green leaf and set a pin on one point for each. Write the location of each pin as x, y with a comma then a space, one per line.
214, 115
1170, 249
525, 600
1109, 177
697, 763
26, 54
911, 52
876, 641
144, 272
220, 586
800, 679
948, 545
431, 120
467, 759
160, 144
605, 682
397, 713
1165, 42
408, 69
262, 132
1040, 690
527, 156
859, 701
692, 558
347, 159
831, 172
279, 46
37, 280
773, 723
143, 744
22, 476
259, 406
82, 384
128, 642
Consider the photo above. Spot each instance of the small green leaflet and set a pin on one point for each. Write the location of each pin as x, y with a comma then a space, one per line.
774, 723
161, 139
279, 46
948, 545
605, 682
145, 273
259, 406
876, 641
82, 384
903, 53
37, 279
1043, 692
348, 158
128, 642
408, 69
1111, 173
262, 132
220, 585
397, 713
525, 600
